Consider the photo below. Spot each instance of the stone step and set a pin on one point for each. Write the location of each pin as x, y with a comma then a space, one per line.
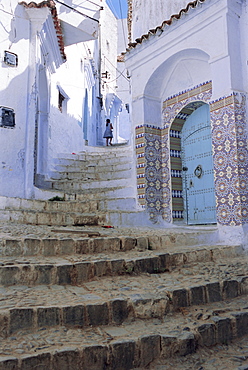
93, 167
80, 246
56, 218
83, 163
93, 309
86, 176
85, 205
222, 356
147, 286
20, 240
52, 205
133, 345
33, 308
121, 204
65, 212
101, 193
68, 262
91, 152
66, 186
114, 150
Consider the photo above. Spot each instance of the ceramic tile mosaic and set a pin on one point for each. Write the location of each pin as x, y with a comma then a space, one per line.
230, 155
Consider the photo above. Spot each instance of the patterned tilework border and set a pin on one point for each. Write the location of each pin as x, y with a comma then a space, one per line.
230, 154
157, 197
140, 154
149, 169
200, 90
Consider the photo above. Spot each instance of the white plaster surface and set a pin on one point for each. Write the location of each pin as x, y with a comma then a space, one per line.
148, 14
32, 90
203, 45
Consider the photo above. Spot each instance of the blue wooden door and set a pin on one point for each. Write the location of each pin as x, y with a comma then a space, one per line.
197, 161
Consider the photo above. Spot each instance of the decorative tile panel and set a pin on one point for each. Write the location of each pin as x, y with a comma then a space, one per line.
140, 154
174, 116
230, 154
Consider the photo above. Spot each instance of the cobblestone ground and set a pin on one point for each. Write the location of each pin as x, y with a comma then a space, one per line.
46, 338
222, 357
128, 285
15, 229
233, 356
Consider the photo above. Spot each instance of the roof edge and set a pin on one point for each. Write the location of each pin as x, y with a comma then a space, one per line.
58, 29
168, 22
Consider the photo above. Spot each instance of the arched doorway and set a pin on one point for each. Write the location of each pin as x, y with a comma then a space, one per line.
192, 175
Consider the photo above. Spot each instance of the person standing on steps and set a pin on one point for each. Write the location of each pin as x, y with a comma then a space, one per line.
108, 134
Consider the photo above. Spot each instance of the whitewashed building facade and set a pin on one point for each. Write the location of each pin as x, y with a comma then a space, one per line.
189, 86
55, 93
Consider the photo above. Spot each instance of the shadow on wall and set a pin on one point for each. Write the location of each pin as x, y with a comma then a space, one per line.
180, 71
65, 133
15, 92
19, 25
61, 133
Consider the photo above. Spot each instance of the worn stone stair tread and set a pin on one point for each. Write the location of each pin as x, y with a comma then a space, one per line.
74, 231
143, 294
159, 238
232, 356
82, 175
85, 176
70, 206
127, 346
169, 295
55, 218
91, 168
90, 184
57, 212
113, 255
162, 259
93, 158
100, 190
38, 240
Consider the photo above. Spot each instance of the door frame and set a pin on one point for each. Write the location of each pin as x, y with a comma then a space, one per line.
176, 126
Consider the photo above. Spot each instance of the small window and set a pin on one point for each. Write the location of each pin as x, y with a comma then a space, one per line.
7, 117
62, 100
11, 59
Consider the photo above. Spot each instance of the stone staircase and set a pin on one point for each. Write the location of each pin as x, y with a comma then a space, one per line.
93, 298
92, 170
90, 188
75, 294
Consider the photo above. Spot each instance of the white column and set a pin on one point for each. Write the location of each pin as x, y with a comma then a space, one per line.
37, 18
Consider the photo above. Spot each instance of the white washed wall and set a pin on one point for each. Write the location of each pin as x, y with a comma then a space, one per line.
66, 126
14, 36
123, 84
190, 51
148, 14
31, 82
